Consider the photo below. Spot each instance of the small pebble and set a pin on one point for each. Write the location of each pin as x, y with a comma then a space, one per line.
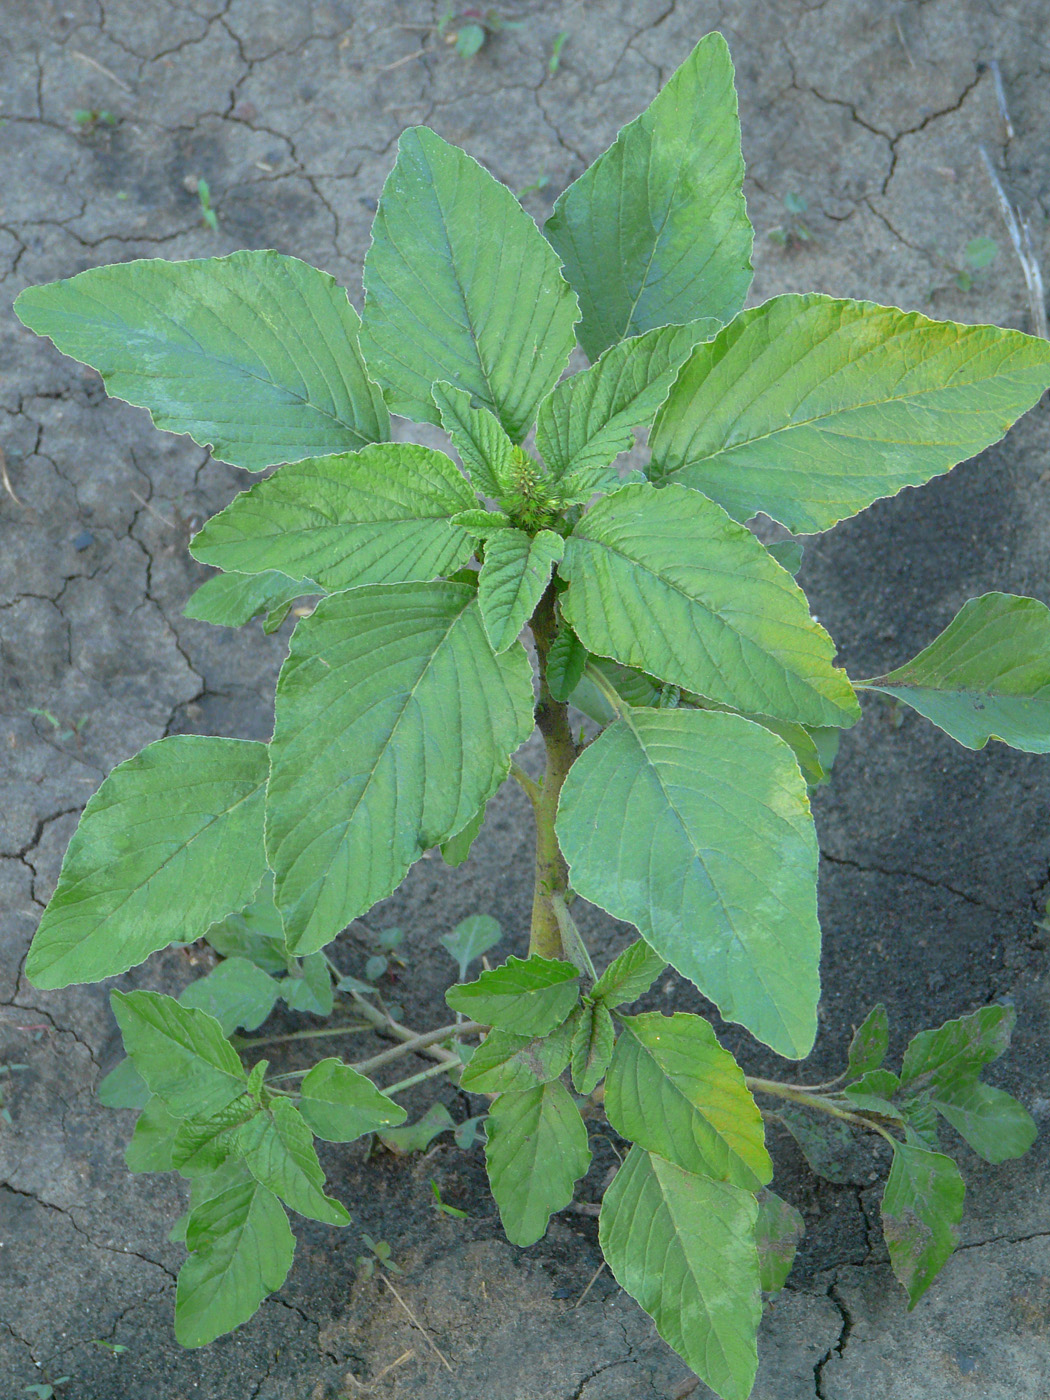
84, 540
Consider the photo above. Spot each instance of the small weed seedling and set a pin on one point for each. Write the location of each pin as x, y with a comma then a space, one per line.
792, 232
89, 119
406, 692
470, 30
978, 256
208, 216
554, 62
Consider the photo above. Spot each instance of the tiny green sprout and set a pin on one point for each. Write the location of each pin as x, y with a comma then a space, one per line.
794, 231
554, 62
208, 215
88, 118
443, 1207
380, 1254
114, 1347
540, 183
978, 255
47, 1390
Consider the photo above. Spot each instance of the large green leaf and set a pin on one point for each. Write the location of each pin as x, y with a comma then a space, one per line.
171, 842
778, 1231
987, 676
655, 231
460, 286
667, 582
504, 1061
241, 1250
180, 1052
278, 1149
921, 1209
380, 515
528, 996
536, 1152
516, 570
395, 722
695, 826
996, 1126
673, 1090
255, 355
340, 1105
683, 1247
236, 993
589, 419
231, 600
810, 409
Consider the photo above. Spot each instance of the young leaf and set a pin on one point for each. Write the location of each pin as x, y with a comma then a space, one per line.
516, 571
254, 932
484, 448
536, 1152
695, 826
395, 722
629, 976
417, 1137
461, 286
683, 1247
255, 355
340, 1105
873, 1093
655, 231
867, 1049
565, 664
987, 676
312, 991
995, 1125
589, 419
777, 1234
504, 1061
956, 1052
181, 1053
788, 554
921, 1209
592, 1046
673, 1090
202, 1145
152, 1141
123, 1087
380, 515
810, 409
666, 581
470, 939
171, 842
527, 996
236, 993
241, 1250
278, 1149
231, 600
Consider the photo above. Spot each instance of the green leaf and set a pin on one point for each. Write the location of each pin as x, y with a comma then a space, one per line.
470, 939
123, 1087
788, 554
231, 600
255, 355
995, 1125
504, 1061
777, 1234
635, 687
236, 993
278, 1149
484, 448
340, 1105
629, 976
417, 1136
921, 1123
810, 409
312, 991
202, 1145
171, 842
921, 1209
241, 1250
695, 827
673, 1090
871, 1040
956, 1052
565, 664
536, 1152
666, 581
589, 419
592, 1046
380, 515
456, 849
683, 1247
655, 231
828, 1144
516, 570
873, 1093
527, 996
152, 1141
987, 676
461, 286
254, 932
395, 722
181, 1053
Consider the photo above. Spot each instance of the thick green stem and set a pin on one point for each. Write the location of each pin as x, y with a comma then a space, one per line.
552, 719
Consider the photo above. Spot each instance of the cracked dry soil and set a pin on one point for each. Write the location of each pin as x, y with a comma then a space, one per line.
937, 860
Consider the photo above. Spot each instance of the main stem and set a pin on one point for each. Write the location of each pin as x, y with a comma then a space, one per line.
552, 720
